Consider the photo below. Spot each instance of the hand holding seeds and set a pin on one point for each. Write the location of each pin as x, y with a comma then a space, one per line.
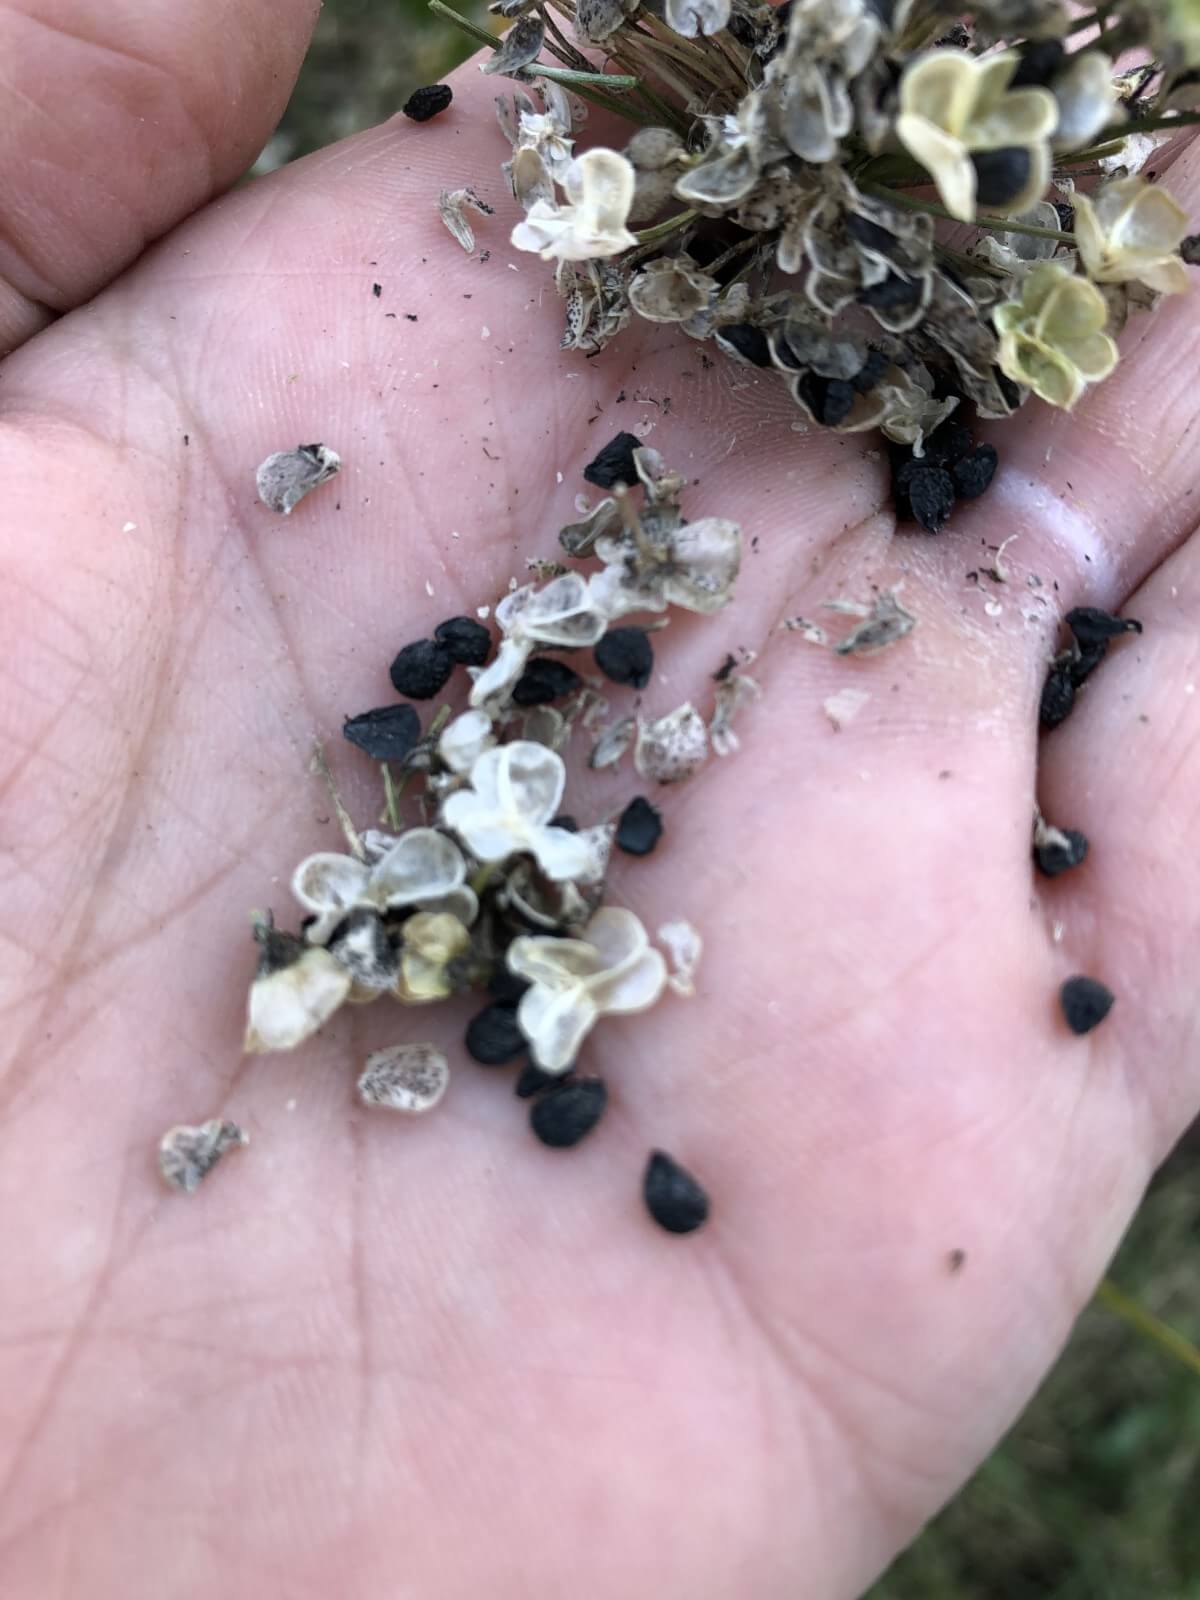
537, 1235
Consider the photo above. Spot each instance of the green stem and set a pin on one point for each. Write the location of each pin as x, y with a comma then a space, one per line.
1148, 1325
570, 76
464, 24
994, 224
1163, 119
663, 230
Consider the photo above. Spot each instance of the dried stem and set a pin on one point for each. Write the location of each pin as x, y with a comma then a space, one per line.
351, 833
992, 224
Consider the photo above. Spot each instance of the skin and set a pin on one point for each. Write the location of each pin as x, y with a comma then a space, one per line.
432, 1358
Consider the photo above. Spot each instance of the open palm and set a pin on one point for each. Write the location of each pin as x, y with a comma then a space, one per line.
376, 1357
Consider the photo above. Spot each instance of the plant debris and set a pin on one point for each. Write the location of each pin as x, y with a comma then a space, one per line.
842, 708
186, 1155
286, 477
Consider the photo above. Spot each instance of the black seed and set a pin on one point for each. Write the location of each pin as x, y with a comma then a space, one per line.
931, 496
1085, 1002
1092, 626
1039, 61
614, 464
386, 734
427, 102
895, 293
1189, 248
869, 374
567, 823
563, 1115
974, 473
838, 402
626, 656
673, 1197
533, 1080
1000, 175
1010, 392
949, 442
421, 670
1066, 214
544, 680
1054, 855
493, 1037
377, 290
505, 986
466, 640
1089, 658
746, 341
640, 827
863, 231
1058, 696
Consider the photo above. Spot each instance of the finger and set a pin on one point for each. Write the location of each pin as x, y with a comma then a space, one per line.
116, 121
1124, 769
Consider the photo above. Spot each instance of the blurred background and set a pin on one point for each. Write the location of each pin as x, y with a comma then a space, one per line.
1096, 1493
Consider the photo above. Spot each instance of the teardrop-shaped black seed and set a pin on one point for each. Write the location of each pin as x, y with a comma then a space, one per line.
564, 1115
673, 1197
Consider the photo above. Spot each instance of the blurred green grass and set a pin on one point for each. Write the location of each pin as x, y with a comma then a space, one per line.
1095, 1495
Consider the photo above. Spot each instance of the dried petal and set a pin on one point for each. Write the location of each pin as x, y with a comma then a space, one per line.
733, 692
186, 1155
407, 1077
673, 747
287, 476
520, 45
684, 948
887, 623
450, 209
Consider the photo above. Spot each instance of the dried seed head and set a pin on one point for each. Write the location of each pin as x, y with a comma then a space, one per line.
186, 1155
286, 477
407, 1077
672, 748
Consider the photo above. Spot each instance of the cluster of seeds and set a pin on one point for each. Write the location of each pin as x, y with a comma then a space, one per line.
786, 187
489, 886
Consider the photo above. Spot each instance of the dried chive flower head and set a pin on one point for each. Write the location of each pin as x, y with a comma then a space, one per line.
1132, 231
610, 969
1052, 338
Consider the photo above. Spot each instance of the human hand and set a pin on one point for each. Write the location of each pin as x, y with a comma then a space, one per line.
435, 1359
